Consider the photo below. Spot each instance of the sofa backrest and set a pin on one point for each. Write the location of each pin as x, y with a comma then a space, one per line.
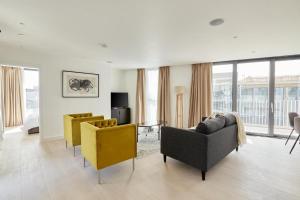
79, 115
209, 126
104, 123
229, 119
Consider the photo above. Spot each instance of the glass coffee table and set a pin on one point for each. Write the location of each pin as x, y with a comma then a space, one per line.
149, 125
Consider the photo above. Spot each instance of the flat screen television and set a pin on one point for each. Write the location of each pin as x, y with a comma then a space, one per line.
119, 99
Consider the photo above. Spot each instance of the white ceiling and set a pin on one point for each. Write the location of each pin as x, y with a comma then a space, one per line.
149, 32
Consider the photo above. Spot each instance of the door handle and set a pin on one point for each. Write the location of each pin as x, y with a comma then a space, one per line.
272, 107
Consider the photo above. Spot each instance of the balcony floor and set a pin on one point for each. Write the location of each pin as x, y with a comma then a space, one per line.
264, 130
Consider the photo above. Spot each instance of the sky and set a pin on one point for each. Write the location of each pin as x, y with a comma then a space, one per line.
31, 79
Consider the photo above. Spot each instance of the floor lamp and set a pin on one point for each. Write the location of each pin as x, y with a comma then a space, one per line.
179, 106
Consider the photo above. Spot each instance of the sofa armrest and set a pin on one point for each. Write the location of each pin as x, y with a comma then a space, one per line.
76, 115
220, 144
185, 145
68, 128
88, 142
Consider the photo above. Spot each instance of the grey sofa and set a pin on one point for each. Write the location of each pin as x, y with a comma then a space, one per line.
197, 149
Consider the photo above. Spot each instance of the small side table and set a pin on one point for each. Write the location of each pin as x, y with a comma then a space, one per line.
159, 124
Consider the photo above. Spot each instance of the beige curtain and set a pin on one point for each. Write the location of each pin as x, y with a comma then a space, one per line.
12, 93
140, 97
163, 102
1, 106
201, 93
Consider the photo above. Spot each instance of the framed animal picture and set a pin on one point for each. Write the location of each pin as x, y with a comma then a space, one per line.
80, 85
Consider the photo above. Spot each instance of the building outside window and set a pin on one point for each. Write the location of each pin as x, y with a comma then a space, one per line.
222, 88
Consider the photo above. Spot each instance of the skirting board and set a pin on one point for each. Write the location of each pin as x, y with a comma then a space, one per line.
53, 138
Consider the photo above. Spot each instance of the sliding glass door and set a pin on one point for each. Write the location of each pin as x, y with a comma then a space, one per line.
263, 91
287, 94
253, 95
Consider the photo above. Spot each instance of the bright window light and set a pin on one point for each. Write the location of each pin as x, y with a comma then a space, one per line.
31, 95
151, 94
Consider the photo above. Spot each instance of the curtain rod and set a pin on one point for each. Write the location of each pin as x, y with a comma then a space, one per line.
25, 68
30, 68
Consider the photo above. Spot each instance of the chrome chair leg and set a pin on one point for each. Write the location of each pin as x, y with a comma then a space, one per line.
295, 144
133, 164
66, 144
74, 150
83, 162
289, 137
99, 177
159, 132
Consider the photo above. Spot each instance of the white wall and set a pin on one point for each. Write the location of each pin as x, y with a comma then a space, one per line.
125, 81
116, 80
129, 78
179, 76
52, 105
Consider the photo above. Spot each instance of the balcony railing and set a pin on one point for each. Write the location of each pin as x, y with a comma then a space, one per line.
255, 113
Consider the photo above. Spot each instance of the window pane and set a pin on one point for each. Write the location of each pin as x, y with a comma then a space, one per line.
222, 88
287, 94
253, 95
151, 94
31, 87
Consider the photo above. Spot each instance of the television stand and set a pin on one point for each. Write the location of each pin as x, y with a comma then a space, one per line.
122, 114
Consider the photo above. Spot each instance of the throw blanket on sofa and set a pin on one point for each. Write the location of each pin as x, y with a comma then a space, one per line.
241, 137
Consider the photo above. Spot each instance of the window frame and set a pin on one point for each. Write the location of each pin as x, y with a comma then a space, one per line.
272, 86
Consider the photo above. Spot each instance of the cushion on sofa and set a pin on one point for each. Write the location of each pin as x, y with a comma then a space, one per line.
229, 119
211, 125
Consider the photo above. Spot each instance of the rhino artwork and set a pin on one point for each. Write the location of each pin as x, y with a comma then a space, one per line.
78, 85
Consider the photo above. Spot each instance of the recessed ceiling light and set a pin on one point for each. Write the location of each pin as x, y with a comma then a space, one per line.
103, 45
216, 22
235, 37
109, 62
21, 34
21, 23
253, 51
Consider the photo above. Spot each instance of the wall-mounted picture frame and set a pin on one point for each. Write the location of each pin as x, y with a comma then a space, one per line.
80, 84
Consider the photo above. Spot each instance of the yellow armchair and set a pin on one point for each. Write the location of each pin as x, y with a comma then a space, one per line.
72, 127
103, 143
